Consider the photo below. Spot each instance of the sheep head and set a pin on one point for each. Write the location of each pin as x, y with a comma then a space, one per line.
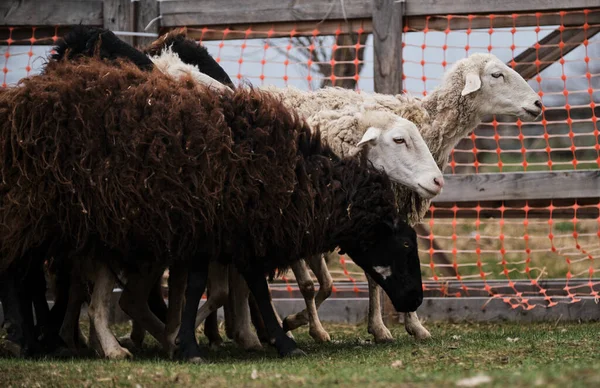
496, 88
396, 146
391, 258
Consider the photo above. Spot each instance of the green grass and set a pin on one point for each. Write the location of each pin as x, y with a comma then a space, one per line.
563, 354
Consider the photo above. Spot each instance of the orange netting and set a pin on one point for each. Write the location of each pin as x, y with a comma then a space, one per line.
502, 250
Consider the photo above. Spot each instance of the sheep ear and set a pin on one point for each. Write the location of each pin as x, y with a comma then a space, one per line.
472, 84
371, 134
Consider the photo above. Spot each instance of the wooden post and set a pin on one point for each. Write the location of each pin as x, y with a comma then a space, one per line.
387, 44
117, 17
147, 10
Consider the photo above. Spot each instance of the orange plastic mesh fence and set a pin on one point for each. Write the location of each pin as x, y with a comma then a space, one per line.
507, 256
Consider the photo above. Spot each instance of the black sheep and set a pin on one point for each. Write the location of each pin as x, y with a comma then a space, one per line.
189, 52
84, 41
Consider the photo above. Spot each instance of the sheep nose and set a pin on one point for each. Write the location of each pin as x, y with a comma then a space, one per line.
538, 103
439, 182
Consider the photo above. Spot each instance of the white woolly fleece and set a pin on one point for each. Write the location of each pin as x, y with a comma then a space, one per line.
169, 63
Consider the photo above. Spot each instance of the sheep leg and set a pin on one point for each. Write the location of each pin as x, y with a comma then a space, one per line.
307, 288
260, 289
93, 341
135, 339
318, 265
31, 345
218, 292
69, 331
52, 337
211, 330
177, 284
71, 291
259, 324
196, 283
257, 321
37, 280
376, 326
158, 307
134, 302
156, 302
279, 320
13, 318
99, 312
243, 334
414, 327
228, 313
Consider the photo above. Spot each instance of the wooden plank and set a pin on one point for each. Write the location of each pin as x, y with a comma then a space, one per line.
440, 23
275, 30
521, 186
441, 7
550, 52
231, 12
147, 10
329, 27
387, 46
50, 12
210, 12
495, 310
22, 35
118, 17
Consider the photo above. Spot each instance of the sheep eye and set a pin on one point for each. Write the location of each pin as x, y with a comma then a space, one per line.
406, 245
399, 141
497, 75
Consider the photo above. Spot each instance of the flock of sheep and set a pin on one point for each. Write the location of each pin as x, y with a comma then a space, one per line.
118, 163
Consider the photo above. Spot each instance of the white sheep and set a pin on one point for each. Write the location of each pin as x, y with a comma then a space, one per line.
474, 87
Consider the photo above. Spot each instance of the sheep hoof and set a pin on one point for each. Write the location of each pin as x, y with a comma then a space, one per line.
320, 336
64, 352
128, 343
287, 347
382, 335
118, 353
190, 353
248, 341
420, 333
295, 353
215, 345
12, 349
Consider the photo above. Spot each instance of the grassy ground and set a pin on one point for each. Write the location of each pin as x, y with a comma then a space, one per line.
503, 354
